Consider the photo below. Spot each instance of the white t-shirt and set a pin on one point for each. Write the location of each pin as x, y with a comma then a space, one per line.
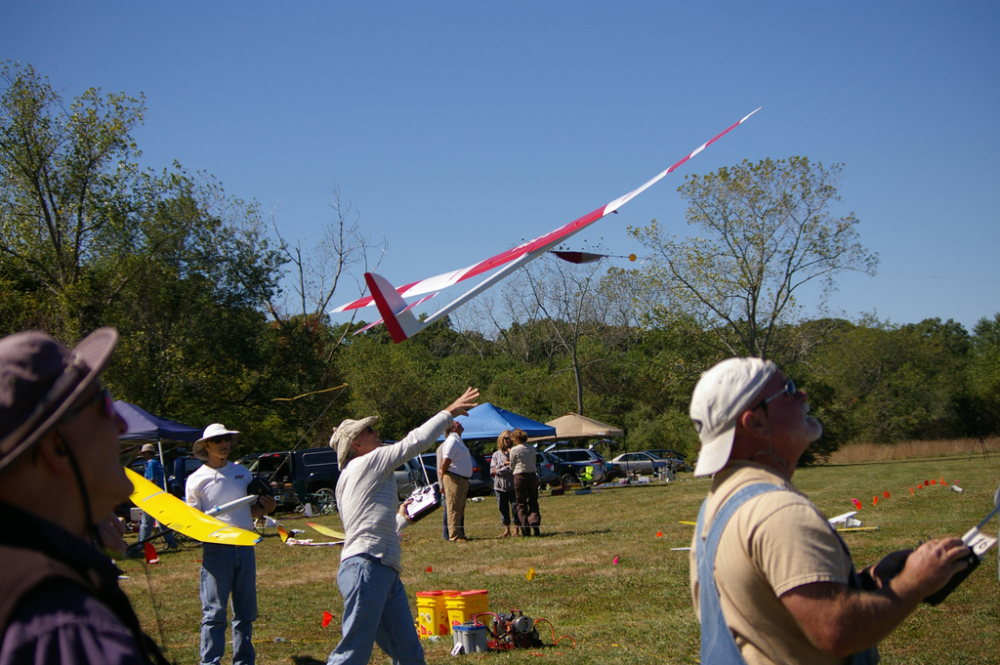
207, 488
461, 458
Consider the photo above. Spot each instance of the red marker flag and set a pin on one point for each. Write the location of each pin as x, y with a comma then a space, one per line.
857, 504
151, 556
429, 569
875, 501
933, 482
327, 618
659, 534
886, 494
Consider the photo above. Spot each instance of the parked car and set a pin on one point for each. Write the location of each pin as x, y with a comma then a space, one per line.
317, 468
479, 485
183, 467
675, 460
571, 461
639, 462
547, 474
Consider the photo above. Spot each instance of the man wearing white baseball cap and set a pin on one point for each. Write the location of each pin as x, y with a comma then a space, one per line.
771, 580
225, 569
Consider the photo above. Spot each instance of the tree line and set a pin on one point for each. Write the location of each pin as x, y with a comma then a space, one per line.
223, 321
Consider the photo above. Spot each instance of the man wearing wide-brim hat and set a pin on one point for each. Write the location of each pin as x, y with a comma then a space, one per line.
225, 569
59, 480
771, 580
375, 606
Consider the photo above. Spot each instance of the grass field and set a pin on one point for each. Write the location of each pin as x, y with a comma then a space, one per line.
638, 611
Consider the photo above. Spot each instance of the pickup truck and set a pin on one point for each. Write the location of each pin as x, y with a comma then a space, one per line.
318, 470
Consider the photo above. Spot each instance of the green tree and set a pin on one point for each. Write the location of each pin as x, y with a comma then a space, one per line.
984, 372
764, 231
69, 192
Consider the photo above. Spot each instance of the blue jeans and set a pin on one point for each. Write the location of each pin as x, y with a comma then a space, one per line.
375, 611
225, 570
146, 529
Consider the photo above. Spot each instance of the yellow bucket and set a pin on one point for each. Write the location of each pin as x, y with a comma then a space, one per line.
464, 606
432, 615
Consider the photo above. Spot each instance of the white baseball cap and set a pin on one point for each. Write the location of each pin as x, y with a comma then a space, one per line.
723, 393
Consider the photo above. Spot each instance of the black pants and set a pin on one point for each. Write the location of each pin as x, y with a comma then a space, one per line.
526, 491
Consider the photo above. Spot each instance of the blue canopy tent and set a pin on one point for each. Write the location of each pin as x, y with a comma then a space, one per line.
487, 422
144, 426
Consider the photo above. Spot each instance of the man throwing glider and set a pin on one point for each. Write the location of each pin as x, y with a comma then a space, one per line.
375, 606
771, 580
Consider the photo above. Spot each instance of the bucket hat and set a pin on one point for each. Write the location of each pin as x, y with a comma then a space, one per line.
212, 431
40, 379
148, 448
723, 393
344, 436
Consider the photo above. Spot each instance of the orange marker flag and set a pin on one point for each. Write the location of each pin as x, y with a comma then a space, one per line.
886, 494
327, 618
283, 534
429, 569
150, 551
942, 481
659, 534
920, 486
911, 491
933, 482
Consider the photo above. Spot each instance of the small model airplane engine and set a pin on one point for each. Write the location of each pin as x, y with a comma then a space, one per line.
515, 631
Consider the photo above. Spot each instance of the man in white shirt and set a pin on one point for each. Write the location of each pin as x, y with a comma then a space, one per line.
376, 609
454, 474
225, 569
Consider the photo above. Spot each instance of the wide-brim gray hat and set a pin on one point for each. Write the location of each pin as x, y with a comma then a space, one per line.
723, 393
40, 380
344, 436
212, 431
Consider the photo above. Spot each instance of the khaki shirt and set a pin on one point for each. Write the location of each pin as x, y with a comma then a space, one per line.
774, 543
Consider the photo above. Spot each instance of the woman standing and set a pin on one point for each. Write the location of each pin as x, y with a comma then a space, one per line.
522, 463
503, 482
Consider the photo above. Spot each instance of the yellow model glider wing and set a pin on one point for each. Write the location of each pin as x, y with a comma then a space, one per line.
326, 531
174, 513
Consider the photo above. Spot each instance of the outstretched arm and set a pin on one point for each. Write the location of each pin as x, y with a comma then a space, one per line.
841, 621
462, 405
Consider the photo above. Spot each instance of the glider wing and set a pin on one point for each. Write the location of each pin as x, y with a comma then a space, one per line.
390, 300
174, 513
326, 531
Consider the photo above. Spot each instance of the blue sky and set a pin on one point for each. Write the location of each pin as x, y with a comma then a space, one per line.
457, 129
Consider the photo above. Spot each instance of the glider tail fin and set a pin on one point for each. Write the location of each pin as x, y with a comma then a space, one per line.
397, 318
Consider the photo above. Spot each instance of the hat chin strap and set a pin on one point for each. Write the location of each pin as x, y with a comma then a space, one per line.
90, 527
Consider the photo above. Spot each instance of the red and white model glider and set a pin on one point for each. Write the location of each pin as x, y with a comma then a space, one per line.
396, 313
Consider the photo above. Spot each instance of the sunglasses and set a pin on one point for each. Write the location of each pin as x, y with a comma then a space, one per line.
788, 389
106, 400
226, 438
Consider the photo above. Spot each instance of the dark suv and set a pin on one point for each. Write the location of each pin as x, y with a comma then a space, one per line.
571, 463
317, 468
